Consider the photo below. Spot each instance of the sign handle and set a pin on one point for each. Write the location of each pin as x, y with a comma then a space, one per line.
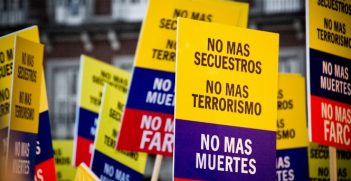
157, 166
332, 164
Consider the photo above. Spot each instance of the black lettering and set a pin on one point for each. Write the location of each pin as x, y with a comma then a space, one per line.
201, 16
280, 123
225, 62
225, 104
285, 104
2, 57
247, 50
280, 94
115, 115
285, 134
171, 44
258, 65
319, 153
180, 13
168, 24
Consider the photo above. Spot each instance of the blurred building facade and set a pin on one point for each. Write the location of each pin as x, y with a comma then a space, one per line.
109, 30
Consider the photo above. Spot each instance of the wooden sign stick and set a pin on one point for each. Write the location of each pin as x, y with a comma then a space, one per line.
157, 167
332, 164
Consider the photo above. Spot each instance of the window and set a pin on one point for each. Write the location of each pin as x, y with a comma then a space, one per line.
129, 10
62, 77
282, 6
292, 60
72, 12
124, 62
13, 12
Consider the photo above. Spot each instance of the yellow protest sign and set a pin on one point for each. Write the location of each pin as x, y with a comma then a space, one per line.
155, 66
24, 108
127, 164
329, 27
26, 86
318, 158
85, 174
328, 42
222, 98
226, 106
292, 138
159, 52
7, 44
291, 122
63, 160
93, 75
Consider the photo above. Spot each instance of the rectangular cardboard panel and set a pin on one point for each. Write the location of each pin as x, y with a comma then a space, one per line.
151, 94
226, 102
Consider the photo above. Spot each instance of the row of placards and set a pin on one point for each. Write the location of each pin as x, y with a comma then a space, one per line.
289, 168
291, 161
26, 149
225, 107
289, 156
103, 90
